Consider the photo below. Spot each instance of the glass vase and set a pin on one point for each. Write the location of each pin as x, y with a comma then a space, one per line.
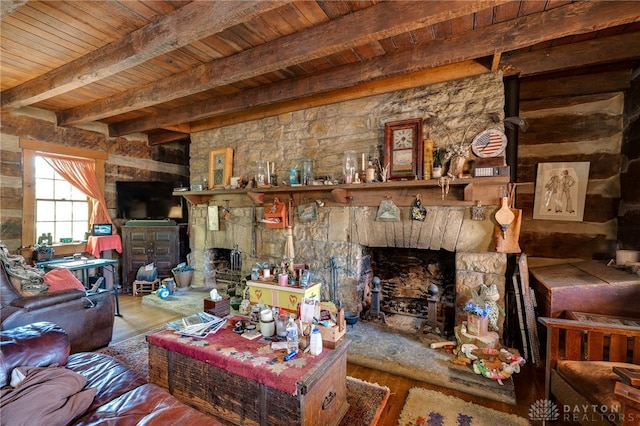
349, 166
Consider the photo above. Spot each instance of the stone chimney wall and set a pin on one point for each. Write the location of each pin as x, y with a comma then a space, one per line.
450, 110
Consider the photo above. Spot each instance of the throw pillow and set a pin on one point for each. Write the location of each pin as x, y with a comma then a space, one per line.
62, 279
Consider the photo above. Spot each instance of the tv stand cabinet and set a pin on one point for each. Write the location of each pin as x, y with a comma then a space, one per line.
143, 245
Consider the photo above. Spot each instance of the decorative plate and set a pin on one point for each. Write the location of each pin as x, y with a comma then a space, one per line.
489, 143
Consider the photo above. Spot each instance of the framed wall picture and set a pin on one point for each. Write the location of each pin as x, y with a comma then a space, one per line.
561, 190
220, 167
403, 148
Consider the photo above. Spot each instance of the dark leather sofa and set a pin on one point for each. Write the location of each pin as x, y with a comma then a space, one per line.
122, 396
87, 319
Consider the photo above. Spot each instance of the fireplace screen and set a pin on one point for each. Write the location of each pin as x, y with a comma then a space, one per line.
406, 276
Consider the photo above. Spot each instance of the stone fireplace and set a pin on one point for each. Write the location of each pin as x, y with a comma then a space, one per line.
408, 277
351, 235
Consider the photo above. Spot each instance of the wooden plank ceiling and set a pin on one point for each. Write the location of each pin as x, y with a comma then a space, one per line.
169, 67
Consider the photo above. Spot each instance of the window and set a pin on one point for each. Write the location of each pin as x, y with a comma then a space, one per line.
30, 151
61, 209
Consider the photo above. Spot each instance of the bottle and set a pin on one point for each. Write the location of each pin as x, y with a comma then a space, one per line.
292, 336
315, 346
437, 165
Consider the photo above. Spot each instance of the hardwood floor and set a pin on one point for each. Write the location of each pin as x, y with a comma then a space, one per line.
138, 319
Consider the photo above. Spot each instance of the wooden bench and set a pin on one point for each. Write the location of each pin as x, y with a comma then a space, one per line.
575, 351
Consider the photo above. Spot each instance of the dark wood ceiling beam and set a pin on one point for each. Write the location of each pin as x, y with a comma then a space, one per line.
422, 78
190, 23
166, 136
575, 18
381, 21
577, 55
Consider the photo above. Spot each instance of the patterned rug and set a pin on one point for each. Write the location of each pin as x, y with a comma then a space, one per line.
429, 408
366, 400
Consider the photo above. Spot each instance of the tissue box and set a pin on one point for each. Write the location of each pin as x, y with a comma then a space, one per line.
220, 308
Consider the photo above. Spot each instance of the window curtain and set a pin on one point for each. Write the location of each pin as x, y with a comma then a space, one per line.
81, 174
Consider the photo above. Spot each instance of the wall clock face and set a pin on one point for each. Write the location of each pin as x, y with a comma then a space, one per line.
403, 148
489, 143
403, 138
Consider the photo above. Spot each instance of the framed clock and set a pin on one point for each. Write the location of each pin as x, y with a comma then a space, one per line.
220, 167
403, 148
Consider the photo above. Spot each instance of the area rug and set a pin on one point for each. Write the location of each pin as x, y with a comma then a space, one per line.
182, 302
366, 400
377, 346
430, 408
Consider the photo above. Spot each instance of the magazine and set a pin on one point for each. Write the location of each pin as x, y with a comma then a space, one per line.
200, 324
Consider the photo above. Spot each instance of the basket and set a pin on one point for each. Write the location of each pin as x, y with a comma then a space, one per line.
183, 279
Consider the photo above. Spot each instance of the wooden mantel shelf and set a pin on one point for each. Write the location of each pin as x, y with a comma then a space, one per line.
462, 192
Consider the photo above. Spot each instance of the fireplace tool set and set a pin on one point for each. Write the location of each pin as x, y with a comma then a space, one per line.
232, 276
375, 311
333, 267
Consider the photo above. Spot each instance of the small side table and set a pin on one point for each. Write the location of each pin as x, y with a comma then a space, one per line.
101, 246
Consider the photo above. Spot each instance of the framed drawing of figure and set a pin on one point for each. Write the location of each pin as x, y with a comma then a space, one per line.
561, 189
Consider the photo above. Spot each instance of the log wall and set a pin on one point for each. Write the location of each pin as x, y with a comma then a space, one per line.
579, 118
629, 214
128, 159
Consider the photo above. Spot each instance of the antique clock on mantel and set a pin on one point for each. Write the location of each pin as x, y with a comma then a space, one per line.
403, 148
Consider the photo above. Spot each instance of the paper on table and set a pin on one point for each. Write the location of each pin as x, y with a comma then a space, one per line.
212, 218
309, 309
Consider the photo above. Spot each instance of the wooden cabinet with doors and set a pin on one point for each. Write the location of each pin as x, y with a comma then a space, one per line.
143, 245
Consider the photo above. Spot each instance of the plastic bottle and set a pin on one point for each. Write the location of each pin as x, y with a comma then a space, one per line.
315, 346
292, 336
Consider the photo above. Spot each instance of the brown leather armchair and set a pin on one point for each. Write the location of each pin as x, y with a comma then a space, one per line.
87, 319
586, 361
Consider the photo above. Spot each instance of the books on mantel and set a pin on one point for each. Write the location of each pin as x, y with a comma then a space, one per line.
200, 324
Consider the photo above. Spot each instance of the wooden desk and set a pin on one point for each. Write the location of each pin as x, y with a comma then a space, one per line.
588, 286
84, 266
244, 382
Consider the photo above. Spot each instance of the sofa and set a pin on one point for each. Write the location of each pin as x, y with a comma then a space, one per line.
108, 391
86, 318
593, 369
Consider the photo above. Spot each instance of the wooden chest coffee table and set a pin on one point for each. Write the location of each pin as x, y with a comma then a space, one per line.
244, 382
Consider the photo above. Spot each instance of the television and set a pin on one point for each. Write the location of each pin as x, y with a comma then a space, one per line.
149, 200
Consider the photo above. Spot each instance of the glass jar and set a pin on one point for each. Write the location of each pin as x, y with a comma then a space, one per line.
293, 177
349, 166
306, 173
261, 174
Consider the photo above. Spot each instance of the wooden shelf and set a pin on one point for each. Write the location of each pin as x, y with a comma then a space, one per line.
462, 192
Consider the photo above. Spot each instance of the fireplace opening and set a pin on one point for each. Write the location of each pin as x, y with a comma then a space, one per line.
222, 271
409, 280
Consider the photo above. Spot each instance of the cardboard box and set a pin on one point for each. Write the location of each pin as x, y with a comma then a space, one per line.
333, 336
